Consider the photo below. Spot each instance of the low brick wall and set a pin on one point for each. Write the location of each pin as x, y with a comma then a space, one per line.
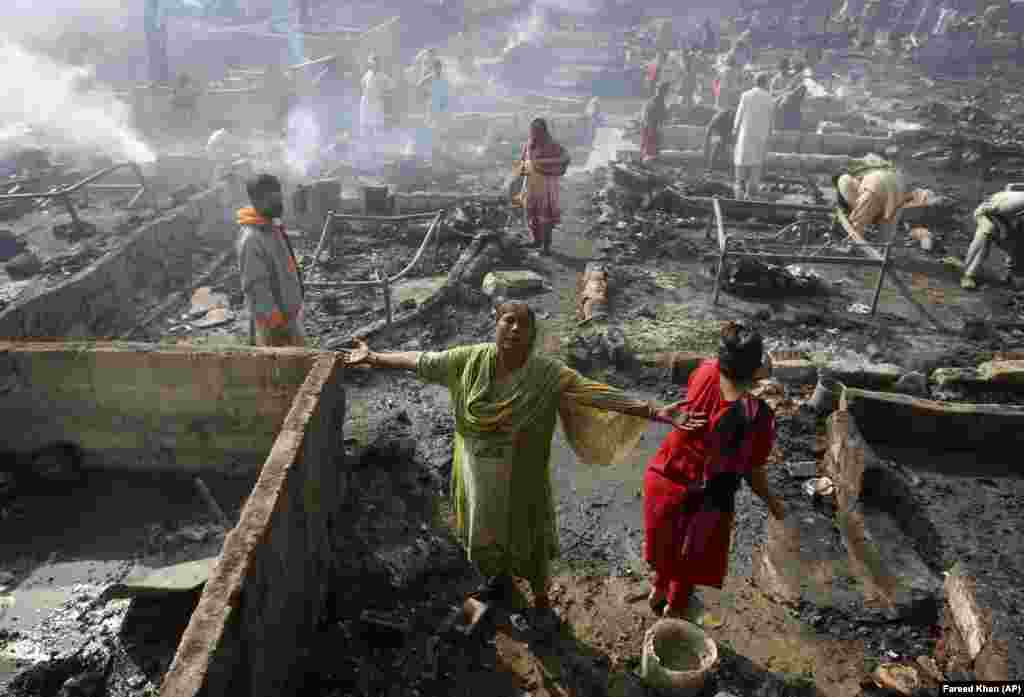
98, 301
142, 407
905, 420
260, 607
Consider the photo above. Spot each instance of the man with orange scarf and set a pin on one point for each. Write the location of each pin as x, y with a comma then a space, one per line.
544, 162
270, 275
691, 482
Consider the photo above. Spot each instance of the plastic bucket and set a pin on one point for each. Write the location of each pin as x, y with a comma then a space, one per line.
677, 657
826, 395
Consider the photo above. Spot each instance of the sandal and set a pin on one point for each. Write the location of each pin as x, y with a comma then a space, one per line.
495, 590
545, 620
657, 603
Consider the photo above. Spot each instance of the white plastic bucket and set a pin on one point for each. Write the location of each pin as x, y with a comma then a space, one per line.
677, 657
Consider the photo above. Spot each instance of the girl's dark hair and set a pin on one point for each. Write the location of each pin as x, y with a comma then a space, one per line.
261, 185
503, 306
541, 123
740, 352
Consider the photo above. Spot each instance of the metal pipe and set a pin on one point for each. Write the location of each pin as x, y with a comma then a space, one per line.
805, 259
881, 279
762, 205
386, 218
323, 238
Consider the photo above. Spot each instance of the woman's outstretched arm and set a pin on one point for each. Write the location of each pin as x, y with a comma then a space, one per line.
398, 360
596, 395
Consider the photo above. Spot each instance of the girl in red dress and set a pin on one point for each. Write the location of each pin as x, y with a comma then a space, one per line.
691, 482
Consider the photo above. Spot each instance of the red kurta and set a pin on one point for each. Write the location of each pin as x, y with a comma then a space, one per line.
671, 498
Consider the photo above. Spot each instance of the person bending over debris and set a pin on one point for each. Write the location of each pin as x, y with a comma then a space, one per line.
654, 115
270, 275
751, 128
507, 400
691, 482
873, 194
719, 127
998, 220
544, 162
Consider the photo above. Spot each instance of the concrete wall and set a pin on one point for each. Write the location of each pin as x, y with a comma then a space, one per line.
137, 406
97, 302
263, 601
884, 417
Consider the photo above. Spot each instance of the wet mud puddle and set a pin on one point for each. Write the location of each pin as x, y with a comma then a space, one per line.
63, 545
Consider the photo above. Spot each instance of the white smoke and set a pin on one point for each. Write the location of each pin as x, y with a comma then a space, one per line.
302, 146
39, 93
529, 29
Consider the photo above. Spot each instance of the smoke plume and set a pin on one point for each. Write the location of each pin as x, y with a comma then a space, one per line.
43, 94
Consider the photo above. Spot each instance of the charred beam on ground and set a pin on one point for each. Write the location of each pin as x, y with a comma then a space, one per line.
592, 293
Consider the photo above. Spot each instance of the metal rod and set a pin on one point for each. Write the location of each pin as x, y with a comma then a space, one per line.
75, 221
764, 205
135, 199
804, 259
60, 192
385, 218
718, 276
722, 239
881, 279
382, 275
323, 238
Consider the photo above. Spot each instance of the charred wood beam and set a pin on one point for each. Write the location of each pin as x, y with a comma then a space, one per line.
592, 293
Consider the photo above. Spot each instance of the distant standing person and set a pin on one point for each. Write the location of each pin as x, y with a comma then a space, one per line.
437, 111
728, 86
156, 42
789, 109
593, 119
751, 129
270, 274
653, 118
654, 73
544, 162
783, 78
376, 87
688, 79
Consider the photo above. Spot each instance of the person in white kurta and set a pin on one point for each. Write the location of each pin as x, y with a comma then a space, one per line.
751, 128
376, 86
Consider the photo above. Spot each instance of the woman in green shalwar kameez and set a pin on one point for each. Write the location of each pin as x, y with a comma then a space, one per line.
506, 402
